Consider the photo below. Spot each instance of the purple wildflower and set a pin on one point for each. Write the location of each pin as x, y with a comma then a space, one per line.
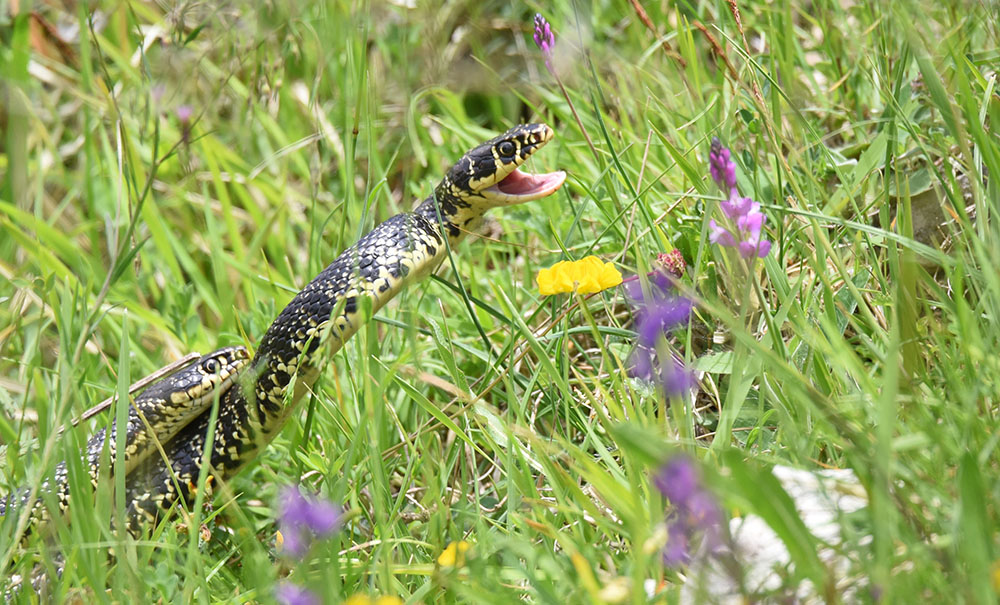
659, 318
655, 316
159, 89
675, 378
677, 479
696, 512
722, 167
702, 509
737, 206
742, 212
302, 519
672, 376
184, 113
544, 38
660, 286
292, 594
676, 551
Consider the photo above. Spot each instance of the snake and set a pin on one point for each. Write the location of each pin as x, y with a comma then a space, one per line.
324, 314
157, 414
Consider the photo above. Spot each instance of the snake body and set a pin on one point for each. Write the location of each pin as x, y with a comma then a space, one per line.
330, 309
157, 414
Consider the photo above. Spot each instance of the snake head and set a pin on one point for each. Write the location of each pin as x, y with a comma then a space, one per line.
202, 380
489, 174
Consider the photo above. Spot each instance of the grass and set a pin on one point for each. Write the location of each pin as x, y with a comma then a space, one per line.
866, 340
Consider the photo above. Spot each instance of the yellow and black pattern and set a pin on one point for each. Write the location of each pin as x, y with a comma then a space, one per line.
482, 169
329, 310
158, 412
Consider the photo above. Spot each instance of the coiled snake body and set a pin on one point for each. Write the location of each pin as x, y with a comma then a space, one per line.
254, 397
157, 414
331, 308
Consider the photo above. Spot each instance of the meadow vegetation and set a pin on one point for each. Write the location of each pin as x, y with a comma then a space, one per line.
172, 173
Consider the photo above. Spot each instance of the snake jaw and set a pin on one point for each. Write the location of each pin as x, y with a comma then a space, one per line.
489, 175
519, 187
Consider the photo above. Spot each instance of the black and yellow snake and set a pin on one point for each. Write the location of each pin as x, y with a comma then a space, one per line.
328, 311
158, 413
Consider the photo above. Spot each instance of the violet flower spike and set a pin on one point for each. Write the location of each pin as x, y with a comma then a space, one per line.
670, 375
655, 316
676, 379
292, 594
677, 551
659, 318
720, 235
737, 206
696, 513
544, 38
743, 212
677, 479
184, 113
303, 519
721, 166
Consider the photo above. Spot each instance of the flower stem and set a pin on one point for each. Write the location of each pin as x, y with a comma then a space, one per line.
576, 116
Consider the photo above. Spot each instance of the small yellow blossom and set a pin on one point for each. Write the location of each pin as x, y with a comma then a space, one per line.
453, 555
363, 599
587, 275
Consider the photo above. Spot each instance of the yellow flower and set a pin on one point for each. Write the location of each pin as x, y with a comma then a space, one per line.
587, 275
454, 554
363, 599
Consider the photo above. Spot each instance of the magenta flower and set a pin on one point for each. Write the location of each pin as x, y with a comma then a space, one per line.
676, 551
703, 511
695, 515
159, 89
671, 376
659, 318
737, 206
677, 479
721, 166
745, 218
655, 316
303, 519
291, 594
184, 113
544, 38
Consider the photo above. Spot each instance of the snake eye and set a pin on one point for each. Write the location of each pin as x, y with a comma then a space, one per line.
211, 365
506, 149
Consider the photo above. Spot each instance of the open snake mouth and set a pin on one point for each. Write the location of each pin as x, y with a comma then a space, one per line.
525, 187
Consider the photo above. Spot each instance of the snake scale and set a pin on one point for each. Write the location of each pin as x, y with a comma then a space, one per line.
255, 398
330, 309
158, 413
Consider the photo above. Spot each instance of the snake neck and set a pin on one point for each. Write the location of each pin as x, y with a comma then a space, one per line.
456, 214
331, 308
313, 326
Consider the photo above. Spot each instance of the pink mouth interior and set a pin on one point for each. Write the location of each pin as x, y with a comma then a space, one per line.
520, 183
